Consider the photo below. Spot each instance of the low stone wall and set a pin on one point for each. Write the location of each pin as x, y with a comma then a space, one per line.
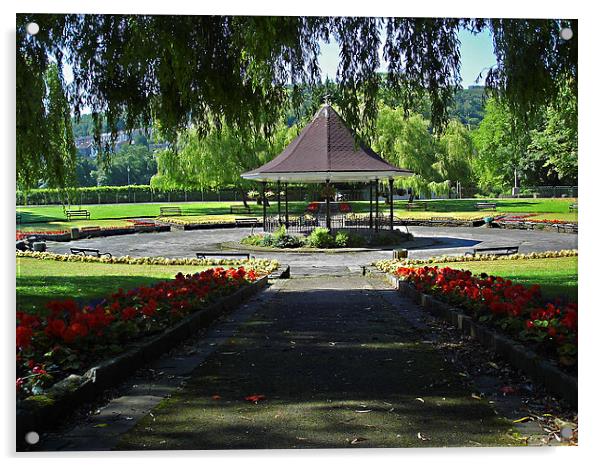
554, 227
36, 412
544, 371
441, 223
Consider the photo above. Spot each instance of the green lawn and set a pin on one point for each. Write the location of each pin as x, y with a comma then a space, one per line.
557, 276
53, 218
39, 281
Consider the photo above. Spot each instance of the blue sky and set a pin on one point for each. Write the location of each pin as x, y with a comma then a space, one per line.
476, 54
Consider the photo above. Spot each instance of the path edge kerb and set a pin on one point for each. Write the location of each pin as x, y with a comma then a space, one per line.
65, 395
540, 369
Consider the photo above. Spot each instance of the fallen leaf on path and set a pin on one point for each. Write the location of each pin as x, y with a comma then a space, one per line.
255, 398
423, 437
356, 440
101, 425
363, 410
420, 399
475, 396
523, 419
216, 397
507, 390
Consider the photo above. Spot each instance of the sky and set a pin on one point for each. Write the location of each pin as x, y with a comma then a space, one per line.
476, 53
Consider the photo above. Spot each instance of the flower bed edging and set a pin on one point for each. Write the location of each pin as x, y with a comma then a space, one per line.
38, 411
542, 370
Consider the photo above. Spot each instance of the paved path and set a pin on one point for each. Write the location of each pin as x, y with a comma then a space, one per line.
446, 241
338, 366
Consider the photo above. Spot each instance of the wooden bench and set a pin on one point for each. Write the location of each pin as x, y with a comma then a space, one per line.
416, 206
240, 209
90, 252
497, 251
204, 255
246, 222
440, 220
165, 211
573, 207
486, 206
567, 227
77, 214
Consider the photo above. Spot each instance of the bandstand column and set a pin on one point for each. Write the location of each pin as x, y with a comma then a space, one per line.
286, 204
371, 223
328, 204
391, 204
376, 205
263, 185
279, 210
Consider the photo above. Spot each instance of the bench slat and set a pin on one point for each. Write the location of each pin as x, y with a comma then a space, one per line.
203, 255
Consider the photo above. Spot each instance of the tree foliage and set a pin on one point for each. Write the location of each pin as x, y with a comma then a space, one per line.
202, 71
218, 159
437, 161
553, 146
51, 158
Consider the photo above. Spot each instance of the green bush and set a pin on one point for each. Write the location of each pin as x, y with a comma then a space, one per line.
288, 241
321, 238
387, 238
341, 239
252, 240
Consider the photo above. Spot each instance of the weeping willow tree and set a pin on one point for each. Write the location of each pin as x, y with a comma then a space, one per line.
54, 164
218, 158
202, 71
437, 161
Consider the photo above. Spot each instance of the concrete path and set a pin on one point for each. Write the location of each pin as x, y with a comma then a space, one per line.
338, 366
448, 241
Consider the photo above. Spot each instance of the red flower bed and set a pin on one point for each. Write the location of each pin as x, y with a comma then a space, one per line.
344, 208
24, 234
520, 311
141, 223
522, 218
313, 207
70, 337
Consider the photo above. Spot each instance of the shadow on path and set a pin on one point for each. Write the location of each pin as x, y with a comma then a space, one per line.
339, 367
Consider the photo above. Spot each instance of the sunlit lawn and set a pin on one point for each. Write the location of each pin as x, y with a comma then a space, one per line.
53, 218
39, 281
557, 276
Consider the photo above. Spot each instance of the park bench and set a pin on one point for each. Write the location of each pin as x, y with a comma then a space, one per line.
90, 252
246, 222
441, 220
497, 250
204, 255
567, 228
573, 207
485, 206
77, 214
240, 209
416, 206
165, 211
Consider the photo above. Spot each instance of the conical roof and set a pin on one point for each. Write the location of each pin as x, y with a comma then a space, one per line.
326, 150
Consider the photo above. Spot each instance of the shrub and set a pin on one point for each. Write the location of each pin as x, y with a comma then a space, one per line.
386, 238
321, 238
341, 239
252, 240
355, 241
288, 241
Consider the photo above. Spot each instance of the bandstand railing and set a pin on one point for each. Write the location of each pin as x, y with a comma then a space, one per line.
306, 224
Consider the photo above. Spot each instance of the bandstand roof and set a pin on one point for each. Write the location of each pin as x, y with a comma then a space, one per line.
326, 150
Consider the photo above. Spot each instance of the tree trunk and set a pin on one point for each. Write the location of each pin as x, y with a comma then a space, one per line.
243, 195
